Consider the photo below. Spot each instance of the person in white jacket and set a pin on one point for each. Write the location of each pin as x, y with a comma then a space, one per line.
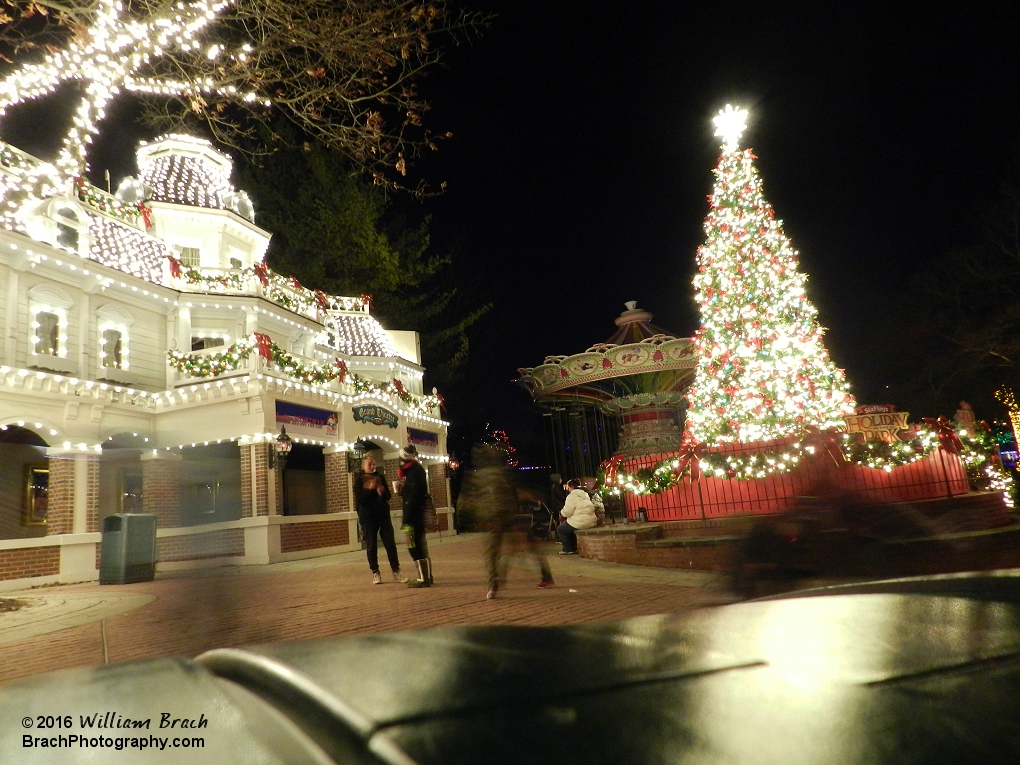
579, 513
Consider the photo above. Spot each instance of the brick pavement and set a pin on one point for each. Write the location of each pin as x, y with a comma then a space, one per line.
324, 597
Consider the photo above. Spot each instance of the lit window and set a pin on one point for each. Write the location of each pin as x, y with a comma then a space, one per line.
191, 257
67, 234
201, 343
113, 347
47, 333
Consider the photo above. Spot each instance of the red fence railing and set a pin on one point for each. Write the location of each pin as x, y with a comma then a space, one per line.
940, 474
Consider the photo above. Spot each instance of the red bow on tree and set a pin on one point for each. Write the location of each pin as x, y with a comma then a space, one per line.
691, 453
146, 214
342, 367
948, 439
175, 267
825, 442
611, 465
265, 345
262, 272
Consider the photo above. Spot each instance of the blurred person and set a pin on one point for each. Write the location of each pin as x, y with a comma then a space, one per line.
557, 495
579, 513
372, 496
414, 488
490, 491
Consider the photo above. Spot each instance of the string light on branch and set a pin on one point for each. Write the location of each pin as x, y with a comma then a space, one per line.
111, 55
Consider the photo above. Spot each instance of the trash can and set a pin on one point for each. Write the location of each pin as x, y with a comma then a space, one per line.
128, 550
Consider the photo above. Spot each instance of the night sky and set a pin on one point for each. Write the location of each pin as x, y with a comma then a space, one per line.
583, 153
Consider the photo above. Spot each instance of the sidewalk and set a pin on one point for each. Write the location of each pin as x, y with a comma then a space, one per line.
190, 612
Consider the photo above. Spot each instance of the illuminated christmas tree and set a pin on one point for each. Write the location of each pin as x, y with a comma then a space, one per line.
763, 371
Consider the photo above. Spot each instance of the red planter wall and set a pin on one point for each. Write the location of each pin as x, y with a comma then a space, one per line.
938, 475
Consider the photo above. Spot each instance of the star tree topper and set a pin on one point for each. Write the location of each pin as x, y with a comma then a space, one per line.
108, 55
730, 124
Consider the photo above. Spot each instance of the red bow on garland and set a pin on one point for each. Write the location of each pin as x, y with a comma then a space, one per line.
342, 367
611, 465
296, 284
262, 272
948, 439
146, 214
320, 298
265, 345
175, 267
691, 453
367, 300
825, 441
441, 400
400, 388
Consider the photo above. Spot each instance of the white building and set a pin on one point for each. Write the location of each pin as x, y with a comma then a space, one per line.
150, 360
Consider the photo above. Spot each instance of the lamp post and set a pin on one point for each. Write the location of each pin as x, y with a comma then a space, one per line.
281, 450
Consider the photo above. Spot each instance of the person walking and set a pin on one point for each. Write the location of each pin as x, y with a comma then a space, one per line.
489, 490
414, 489
372, 496
579, 513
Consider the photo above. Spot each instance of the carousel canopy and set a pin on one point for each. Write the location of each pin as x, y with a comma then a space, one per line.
639, 361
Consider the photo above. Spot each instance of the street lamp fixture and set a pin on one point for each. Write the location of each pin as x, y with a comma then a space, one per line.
281, 449
355, 455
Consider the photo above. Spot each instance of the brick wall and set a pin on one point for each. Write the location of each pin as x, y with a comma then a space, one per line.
338, 482
311, 536
30, 561
212, 544
161, 494
437, 484
623, 548
60, 496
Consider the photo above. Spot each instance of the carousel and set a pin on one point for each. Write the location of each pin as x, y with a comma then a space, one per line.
622, 398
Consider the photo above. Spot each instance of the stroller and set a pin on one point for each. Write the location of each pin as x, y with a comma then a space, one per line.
543, 522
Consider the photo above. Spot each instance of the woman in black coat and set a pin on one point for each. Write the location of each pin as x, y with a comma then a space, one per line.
373, 499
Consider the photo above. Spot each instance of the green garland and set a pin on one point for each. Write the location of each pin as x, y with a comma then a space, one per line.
235, 355
277, 288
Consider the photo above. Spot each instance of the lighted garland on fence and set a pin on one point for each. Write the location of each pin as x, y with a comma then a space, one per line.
285, 291
976, 453
234, 356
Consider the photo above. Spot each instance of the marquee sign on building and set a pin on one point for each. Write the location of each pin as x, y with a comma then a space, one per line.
374, 415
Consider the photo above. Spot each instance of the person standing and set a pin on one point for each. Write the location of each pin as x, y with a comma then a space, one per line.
414, 491
372, 496
579, 513
489, 491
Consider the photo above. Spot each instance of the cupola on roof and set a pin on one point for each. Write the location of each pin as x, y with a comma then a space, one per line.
185, 170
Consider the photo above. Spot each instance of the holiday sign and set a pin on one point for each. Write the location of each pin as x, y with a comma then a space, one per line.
877, 422
422, 437
306, 419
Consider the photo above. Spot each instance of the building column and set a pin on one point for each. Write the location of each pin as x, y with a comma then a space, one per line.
254, 480
339, 490
161, 493
73, 493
